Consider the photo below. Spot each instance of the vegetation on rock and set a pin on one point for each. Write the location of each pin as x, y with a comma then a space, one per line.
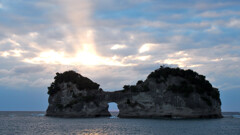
167, 92
184, 88
73, 77
140, 87
195, 82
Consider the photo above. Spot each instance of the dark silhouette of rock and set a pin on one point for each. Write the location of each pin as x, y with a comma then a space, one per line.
167, 92
72, 95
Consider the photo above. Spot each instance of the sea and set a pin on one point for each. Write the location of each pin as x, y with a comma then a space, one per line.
36, 123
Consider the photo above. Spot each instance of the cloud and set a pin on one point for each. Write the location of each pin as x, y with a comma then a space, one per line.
13, 82
9, 40
157, 24
213, 29
33, 34
215, 14
214, 5
146, 47
82, 58
12, 53
32, 69
229, 87
21, 83
234, 23
143, 58
104, 41
117, 46
180, 62
115, 43
4, 72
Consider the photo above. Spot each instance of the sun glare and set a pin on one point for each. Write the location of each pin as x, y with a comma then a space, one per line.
85, 57
84, 54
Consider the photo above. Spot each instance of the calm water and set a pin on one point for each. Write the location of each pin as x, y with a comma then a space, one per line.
29, 123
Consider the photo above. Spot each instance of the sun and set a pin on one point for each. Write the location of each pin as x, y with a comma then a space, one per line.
84, 53
86, 57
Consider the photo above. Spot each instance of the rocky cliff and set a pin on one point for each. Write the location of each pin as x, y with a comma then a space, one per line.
167, 92
72, 95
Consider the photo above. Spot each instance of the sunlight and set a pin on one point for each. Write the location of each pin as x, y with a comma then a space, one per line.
146, 47
13, 53
84, 53
181, 62
85, 57
81, 40
4, 54
117, 46
143, 58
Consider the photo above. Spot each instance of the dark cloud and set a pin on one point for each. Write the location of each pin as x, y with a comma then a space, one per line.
33, 69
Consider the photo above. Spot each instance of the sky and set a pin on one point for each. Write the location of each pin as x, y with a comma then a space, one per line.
115, 43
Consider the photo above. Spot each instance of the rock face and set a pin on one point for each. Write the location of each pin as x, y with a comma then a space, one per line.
72, 95
167, 92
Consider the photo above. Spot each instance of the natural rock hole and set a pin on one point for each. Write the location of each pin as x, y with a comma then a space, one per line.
113, 109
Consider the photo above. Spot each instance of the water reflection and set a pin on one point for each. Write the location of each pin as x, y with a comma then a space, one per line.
92, 132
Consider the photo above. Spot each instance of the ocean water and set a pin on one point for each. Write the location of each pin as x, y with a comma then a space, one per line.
34, 123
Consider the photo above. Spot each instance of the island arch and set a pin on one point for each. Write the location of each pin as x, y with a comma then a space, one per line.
166, 92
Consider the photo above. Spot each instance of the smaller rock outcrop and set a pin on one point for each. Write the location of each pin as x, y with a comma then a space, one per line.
72, 95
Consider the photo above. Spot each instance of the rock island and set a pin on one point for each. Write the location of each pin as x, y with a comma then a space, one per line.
166, 92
